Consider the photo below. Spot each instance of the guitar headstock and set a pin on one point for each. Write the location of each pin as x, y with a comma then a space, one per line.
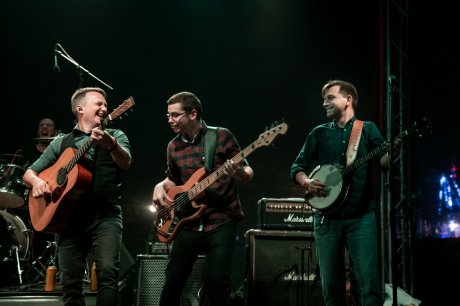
423, 126
268, 136
120, 110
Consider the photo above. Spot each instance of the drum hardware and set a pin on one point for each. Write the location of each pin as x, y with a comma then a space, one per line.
50, 249
17, 245
14, 241
44, 139
13, 191
15, 235
15, 158
18, 263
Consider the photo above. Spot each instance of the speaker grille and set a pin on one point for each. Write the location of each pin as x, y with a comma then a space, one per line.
275, 263
151, 279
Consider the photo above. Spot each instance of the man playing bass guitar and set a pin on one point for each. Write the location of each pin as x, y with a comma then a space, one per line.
211, 229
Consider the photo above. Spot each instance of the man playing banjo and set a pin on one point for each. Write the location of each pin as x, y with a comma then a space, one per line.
345, 211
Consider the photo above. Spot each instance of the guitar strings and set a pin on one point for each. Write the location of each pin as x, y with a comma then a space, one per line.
183, 198
178, 203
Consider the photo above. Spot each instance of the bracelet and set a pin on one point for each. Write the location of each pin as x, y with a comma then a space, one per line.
304, 184
115, 142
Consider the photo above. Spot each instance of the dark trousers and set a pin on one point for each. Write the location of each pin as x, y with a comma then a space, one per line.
105, 236
217, 245
359, 235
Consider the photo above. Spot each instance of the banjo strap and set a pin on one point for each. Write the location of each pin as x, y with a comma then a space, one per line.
355, 136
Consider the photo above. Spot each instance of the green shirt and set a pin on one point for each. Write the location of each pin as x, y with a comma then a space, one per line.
327, 144
53, 151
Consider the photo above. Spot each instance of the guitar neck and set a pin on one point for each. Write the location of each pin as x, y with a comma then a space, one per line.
214, 176
383, 148
84, 148
364, 159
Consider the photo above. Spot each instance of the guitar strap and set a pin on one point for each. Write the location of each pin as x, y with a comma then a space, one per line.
353, 144
210, 147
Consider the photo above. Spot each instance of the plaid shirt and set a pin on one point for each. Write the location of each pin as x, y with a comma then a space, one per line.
222, 200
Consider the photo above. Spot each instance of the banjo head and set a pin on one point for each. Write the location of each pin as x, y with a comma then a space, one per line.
331, 176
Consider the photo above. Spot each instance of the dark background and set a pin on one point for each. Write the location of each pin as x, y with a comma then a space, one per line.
250, 62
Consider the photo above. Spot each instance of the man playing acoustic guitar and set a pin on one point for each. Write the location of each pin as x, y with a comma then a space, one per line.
345, 209
211, 218
75, 193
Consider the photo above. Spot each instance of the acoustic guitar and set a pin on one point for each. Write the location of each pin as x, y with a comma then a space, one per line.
68, 181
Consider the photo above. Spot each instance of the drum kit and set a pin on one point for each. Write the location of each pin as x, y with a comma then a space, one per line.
21, 248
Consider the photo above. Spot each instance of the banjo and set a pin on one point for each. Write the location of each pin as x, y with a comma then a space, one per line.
336, 179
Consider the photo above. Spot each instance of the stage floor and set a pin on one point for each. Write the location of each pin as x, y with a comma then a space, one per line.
33, 293
25, 297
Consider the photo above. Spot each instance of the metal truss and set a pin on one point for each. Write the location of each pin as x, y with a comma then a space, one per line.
396, 207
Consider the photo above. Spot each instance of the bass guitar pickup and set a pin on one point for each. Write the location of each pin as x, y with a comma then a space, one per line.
284, 214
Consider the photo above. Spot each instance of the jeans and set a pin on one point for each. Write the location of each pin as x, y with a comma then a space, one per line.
217, 245
105, 237
359, 235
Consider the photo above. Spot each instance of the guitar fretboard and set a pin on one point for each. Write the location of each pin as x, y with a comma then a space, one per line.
362, 160
265, 139
419, 127
210, 179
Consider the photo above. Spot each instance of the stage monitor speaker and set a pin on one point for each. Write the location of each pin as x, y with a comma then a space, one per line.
276, 261
151, 278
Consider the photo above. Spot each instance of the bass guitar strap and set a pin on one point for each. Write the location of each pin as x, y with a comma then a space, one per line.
210, 148
353, 143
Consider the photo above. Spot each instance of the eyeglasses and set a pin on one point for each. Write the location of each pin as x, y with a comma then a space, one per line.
174, 116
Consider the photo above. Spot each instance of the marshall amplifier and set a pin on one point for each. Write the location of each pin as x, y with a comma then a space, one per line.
151, 277
282, 269
284, 214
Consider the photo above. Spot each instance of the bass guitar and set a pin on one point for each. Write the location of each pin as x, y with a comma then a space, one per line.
184, 207
336, 177
68, 181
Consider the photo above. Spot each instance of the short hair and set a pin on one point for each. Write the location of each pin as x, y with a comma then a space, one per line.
346, 88
80, 93
188, 100
51, 122
48, 119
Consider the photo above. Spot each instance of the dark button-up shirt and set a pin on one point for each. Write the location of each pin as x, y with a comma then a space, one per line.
327, 144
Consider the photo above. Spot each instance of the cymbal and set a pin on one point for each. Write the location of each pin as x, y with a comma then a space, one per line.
10, 158
44, 139
10, 155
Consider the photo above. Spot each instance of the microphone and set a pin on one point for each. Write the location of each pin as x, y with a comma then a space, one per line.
56, 67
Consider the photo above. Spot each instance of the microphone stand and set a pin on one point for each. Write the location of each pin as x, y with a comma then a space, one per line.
80, 68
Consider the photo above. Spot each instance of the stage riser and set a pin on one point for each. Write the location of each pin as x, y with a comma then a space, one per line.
39, 301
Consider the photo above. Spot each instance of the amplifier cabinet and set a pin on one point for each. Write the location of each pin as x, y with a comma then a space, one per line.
276, 262
284, 214
151, 278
